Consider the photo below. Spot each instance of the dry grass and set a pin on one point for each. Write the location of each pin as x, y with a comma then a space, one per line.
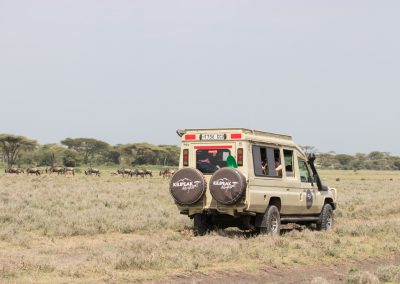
384, 274
110, 229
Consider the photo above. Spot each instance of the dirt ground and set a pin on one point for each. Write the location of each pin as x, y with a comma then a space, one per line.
332, 273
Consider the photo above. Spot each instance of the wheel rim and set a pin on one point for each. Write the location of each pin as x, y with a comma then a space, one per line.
274, 224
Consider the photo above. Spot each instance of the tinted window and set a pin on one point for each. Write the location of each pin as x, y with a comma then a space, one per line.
288, 157
304, 172
210, 160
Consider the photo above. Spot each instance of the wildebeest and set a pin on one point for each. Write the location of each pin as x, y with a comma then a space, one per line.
33, 171
124, 172
92, 171
58, 170
14, 171
148, 173
142, 173
137, 173
69, 171
167, 173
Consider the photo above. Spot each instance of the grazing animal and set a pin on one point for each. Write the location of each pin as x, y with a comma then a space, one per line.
148, 173
58, 170
167, 173
69, 171
138, 173
124, 172
33, 171
92, 171
14, 171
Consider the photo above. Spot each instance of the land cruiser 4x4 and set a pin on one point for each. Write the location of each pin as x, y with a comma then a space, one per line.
248, 179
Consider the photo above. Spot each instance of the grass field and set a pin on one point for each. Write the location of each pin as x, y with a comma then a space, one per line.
114, 229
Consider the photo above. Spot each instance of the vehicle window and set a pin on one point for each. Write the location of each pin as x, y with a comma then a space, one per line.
266, 161
304, 172
210, 160
288, 157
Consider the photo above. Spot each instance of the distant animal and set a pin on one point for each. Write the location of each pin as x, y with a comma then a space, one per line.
148, 173
167, 173
14, 171
124, 171
138, 173
92, 171
58, 170
68, 171
33, 171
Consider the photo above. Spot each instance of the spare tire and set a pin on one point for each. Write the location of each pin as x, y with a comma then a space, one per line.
227, 185
187, 186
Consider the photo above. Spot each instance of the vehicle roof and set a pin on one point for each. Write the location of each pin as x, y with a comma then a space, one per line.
251, 135
242, 130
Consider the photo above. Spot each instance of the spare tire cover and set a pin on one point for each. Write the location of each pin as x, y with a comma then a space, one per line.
227, 185
187, 186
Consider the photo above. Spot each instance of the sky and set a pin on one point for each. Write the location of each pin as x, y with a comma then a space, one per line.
325, 72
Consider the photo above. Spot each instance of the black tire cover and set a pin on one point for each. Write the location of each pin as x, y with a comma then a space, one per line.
187, 186
227, 185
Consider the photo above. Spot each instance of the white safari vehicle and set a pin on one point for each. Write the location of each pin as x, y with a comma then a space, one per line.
248, 179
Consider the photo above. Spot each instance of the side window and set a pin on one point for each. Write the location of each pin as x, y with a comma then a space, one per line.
288, 157
304, 172
266, 161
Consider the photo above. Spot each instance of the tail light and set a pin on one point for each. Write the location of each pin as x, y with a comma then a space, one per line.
190, 137
186, 157
240, 157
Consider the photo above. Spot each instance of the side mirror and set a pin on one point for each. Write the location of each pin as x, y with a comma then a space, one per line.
311, 180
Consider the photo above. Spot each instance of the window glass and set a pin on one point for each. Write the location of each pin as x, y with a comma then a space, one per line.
288, 156
210, 160
304, 172
266, 161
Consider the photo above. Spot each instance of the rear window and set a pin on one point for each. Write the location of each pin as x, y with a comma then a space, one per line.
210, 160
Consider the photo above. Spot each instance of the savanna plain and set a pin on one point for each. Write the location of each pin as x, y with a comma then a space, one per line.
87, 229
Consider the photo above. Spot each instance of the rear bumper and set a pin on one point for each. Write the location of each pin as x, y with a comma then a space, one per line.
225, 210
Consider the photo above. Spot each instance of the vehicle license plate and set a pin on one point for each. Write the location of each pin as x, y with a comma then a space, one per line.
213, 137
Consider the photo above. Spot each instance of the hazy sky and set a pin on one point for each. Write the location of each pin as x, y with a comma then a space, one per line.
326, 72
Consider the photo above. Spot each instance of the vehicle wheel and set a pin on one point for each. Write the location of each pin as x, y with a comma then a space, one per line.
325, 218
271, 222
200, 225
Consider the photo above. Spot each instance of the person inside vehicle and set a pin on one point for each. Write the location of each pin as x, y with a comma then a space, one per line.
264, 167
208, 164
278, 166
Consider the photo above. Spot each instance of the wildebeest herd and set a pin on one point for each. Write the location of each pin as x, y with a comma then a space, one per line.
166, 173
40, 171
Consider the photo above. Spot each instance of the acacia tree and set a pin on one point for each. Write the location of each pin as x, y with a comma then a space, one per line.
87, 147
12, 145
49, 155
308, 149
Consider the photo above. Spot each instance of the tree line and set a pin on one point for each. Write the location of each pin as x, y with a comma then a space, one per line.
71, 152
375, 160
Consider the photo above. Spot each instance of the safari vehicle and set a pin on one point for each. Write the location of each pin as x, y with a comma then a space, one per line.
248, 179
